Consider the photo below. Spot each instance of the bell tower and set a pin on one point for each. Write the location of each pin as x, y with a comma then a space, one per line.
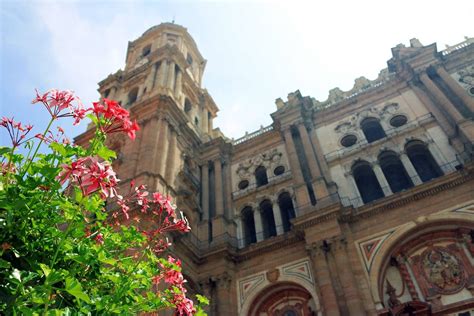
161, 85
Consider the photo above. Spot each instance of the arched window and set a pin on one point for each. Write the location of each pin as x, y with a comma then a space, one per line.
367, 183
372, 129
422, 160
132, 95
268, 220
248, 224
146, 50
261, 176
394, 172
287, 210
187, 106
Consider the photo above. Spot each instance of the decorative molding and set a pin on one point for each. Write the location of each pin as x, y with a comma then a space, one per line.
368, 248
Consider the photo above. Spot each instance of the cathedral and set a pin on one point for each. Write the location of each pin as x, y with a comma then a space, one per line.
361, 204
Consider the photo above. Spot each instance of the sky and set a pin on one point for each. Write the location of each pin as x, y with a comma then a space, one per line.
256, 51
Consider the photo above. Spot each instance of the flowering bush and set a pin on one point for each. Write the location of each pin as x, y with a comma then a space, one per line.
62, 251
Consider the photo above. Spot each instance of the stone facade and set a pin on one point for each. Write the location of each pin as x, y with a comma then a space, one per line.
362, 204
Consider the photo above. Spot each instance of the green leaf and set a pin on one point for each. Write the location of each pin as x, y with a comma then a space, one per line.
106, 153
74, 288
103, 259
4, 264
4, 150
45, 269
59, 148
202, 299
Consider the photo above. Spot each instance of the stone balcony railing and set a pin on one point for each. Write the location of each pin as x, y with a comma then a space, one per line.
249, 136
449, 49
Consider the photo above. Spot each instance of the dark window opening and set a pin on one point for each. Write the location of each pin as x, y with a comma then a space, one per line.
189, 59
187, 106
367, 183
261, 176
243, 184
287, 210
349, 140
196, 121
146, 50
279, 170
372, 129
248, 224
394, 172
268, 220
398, 120
423, 161
132, 96
106, 93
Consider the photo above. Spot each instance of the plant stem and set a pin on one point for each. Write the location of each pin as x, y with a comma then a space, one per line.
9, 170
37, 148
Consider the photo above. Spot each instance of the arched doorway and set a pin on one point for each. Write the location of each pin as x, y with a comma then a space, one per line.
428, 271
283, 299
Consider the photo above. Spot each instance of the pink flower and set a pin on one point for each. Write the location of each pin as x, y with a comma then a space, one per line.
113, 118
91, 176
16, 131
184, 306
62, 104
99, 238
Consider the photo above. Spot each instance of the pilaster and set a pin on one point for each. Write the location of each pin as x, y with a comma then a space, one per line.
324, 285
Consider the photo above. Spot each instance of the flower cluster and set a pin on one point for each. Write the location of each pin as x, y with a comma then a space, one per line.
60, 217
91, 176
51, 138
173, 278
16, 131
61, 104
112, 118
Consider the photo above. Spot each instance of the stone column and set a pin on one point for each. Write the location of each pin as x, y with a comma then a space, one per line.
165, 147
349, 286
205, 190
170, 81
171, 159
328, 298
292, 156
358, 197
319, 154
204, 120
240, 231
228, 189
301, 192
439, 95
456, 88
438, 157
225, 304
161, 141
309, 153
219, 188
178, 86
257, 218
445, 124
161, 79
277, 217
382, 180
319, 185
209, 125
410, 169
148, 144
151, 78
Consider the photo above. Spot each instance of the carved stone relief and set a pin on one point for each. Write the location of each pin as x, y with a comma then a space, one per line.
268, 159
466, 79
